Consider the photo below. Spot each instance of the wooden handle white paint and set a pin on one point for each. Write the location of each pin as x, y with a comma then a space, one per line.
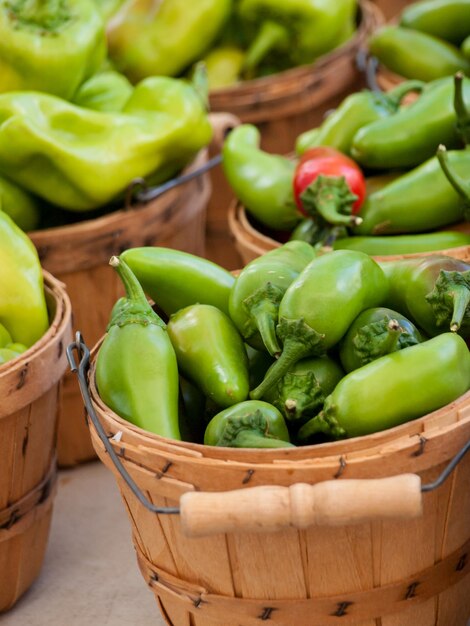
331, 503
221, 124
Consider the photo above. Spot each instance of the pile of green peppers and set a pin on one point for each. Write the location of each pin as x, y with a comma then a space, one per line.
432, 40
299, 347
413, 201
23, 310
74, 132
237, 39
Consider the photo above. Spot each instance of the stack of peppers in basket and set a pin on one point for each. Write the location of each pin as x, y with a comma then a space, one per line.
302, 346
374, 177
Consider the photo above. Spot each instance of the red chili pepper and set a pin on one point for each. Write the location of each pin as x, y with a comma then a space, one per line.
329, 184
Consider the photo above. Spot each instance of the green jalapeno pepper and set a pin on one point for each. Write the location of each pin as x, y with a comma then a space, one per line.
431, 58
320, 305
107, 91
175, 279
250, 424
376, 332
261, 181
395, 388
259, 288
403, 244
210, 353
356, 111
163, 37
434, 291
446, 19
23, 309
49, 45
302, 391
412, 135
419, 201
136, 369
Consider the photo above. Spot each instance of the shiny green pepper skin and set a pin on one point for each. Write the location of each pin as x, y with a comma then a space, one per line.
250, 424
261, 181
301, 392
374, 333
403, 244
412, 135
431, 58
107, 92
49, 46
224, 66
210, 353
446, 19
175, 279
419, 201
320, 305
433, 291
259, 288
395, 389
19, 205
356, 111
136, 369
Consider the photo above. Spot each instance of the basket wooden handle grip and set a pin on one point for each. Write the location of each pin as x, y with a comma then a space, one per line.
330, 503
221, 123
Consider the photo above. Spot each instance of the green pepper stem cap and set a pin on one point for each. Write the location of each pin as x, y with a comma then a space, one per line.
299, 341
248, 431
270, 35
324, 423
262, 308
331, 198
450, 298
48, 15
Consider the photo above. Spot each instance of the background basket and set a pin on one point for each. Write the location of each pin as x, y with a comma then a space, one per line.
382, 572
29, 386
79, 255
283, 106
252, 243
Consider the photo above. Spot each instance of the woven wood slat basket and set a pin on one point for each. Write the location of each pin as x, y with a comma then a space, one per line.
381, 573
252, 243
29, 387
392, 8
283, 106
79, 254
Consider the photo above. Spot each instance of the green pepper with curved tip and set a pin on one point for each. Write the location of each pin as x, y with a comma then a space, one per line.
107, 91
446, 19
250, 424
403, 244
210, 353
302, 391
163, 37
412, 135
23, 309
431, 57
136, 369
261, 181
223, 65
175, 279
356, 111
259, 288
74, 157
433, 291
374, 333
320, 305
49, 45
395, 389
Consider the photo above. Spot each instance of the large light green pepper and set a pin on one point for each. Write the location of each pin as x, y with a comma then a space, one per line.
107, 91
49, 45
23, 310
81, 159
150, 37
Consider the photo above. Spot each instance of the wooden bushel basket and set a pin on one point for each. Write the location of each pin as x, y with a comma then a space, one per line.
283, 106
29, 387
382, 551
79, 255
252, 243
392, 8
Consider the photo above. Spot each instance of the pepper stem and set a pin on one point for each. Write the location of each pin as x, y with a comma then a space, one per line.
461, 296
316, 425
394, 332
461, 186
255, 439
396, 95
331, 197
263, 309
299, 341
270, 35
450, 298
461, 110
